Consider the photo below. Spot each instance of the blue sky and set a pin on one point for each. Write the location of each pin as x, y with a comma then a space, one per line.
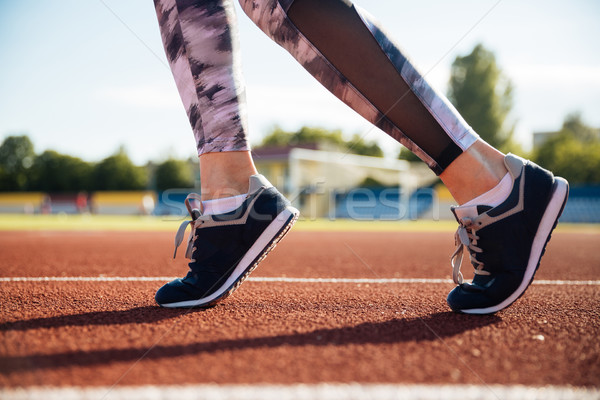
84, 77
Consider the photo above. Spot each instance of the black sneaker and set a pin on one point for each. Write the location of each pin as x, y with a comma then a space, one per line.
226, 248
506, 242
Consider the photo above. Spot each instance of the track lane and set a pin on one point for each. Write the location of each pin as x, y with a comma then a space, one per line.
569, 256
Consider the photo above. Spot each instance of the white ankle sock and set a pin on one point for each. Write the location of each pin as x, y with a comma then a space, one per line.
224, 205
493, 197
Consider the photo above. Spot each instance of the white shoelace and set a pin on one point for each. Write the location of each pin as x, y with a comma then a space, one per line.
197, 220
465, 236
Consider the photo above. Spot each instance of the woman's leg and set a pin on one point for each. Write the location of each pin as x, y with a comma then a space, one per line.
201, 44
346, 50
509, 205
241, 216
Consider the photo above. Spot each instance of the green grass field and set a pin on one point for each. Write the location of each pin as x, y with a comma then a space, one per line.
62, 222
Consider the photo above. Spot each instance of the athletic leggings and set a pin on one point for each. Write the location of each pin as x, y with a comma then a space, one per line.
338, 43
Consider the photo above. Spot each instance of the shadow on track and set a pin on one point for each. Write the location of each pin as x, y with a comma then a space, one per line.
428, 328
147, 314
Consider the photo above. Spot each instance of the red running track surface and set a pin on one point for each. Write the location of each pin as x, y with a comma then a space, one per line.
92, 333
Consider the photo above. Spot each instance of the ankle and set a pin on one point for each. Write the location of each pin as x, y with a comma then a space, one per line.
474, 172
225, 174
223, 190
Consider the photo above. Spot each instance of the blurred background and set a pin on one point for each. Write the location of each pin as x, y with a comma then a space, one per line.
91, 121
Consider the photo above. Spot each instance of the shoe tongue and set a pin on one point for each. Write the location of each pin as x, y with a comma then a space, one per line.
463, 212
470, 211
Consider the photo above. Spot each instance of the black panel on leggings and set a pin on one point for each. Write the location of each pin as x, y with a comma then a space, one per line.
337, 31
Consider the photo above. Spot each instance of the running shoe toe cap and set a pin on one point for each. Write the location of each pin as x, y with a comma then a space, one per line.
174, 292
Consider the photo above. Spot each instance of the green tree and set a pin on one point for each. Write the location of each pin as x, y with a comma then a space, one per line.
16, 157
173, 174
574, 124
55, 172
118, 172
358, 145
407, 155
483, 96
573, 152
305, 135
309, 135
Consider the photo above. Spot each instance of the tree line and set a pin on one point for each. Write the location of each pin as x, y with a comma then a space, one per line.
21, 169
572, 152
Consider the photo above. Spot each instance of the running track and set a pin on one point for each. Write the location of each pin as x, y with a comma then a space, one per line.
327, 315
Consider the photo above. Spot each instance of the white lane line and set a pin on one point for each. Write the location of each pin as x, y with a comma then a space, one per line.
271, 279
323, 391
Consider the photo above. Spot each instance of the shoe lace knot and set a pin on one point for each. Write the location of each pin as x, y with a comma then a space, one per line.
197, 220
466, 236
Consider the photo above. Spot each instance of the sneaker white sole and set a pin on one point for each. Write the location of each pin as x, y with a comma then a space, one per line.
276, 230
542, 236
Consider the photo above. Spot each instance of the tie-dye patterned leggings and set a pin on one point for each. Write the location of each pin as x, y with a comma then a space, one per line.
339, 44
